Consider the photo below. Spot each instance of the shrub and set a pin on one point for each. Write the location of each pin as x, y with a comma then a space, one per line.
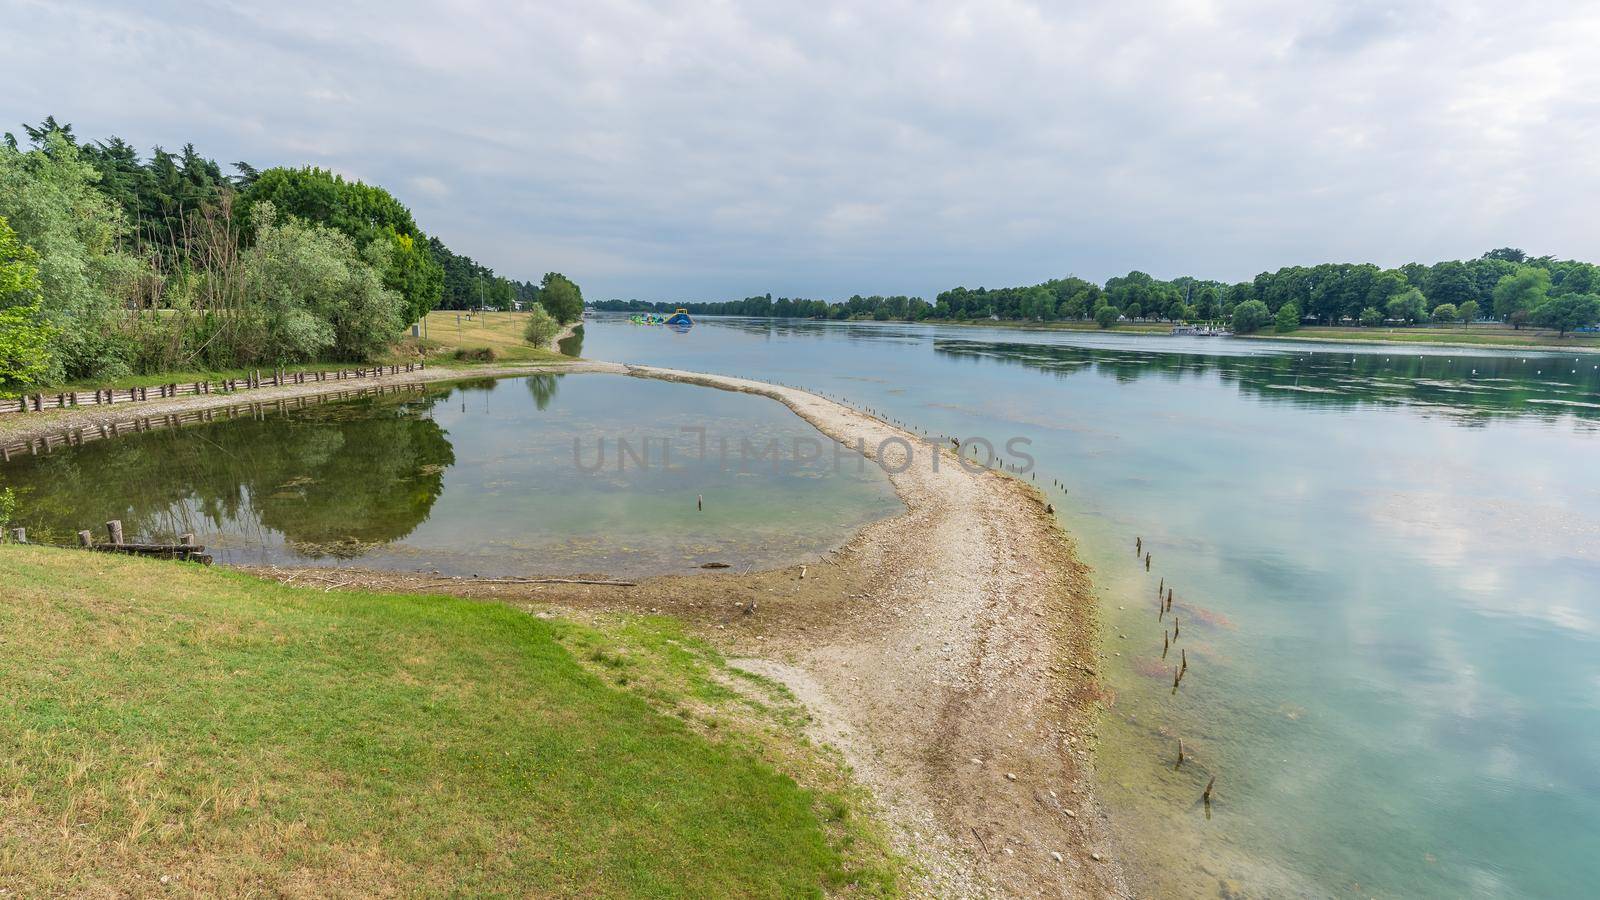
1288, 318
1107, 316
541, 328
1371, 317
1250, 316
477, 354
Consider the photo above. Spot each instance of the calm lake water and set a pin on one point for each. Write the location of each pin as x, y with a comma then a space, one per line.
1385, 565
473, 478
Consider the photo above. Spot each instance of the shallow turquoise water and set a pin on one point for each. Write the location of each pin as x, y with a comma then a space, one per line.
1385, 564
478, 478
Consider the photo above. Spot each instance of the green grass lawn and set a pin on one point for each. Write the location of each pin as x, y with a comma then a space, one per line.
235, 736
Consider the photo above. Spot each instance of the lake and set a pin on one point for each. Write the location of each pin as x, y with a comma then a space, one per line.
548, 474
1384, 563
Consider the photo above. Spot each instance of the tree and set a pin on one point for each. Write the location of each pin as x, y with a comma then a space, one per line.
561, 297
1250, 316
541, 328
368, 215
313, 294
1518, 293
48, 195
1445, 313
1468, 312
1371, 317
24, 335
1288, 318
1567, 312
1409, 306
1507, 254
1107, 316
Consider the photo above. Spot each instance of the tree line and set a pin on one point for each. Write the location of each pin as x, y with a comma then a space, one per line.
111, 264
1504, 284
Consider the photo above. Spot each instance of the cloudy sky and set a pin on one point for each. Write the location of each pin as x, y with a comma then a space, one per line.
711, 150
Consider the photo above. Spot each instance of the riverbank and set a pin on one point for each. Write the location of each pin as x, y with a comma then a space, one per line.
34, 426
1529, 339
949, 653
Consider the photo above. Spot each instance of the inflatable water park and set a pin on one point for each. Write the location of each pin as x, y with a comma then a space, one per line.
679, 320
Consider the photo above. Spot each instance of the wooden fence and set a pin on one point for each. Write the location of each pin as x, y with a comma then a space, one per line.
104, 396
71, 437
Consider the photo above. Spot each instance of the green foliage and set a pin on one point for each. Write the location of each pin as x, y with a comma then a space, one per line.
8, 508
1468, 311
1288, 318
1371, 317
24, 335
48, 195
365, 213
560, 297
1447, 312
1567, 312
1250, 316
541, 328
1106, 316
1518, 293
1409, 306
313, 295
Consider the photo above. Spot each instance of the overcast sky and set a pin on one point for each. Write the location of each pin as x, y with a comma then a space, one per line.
714, 150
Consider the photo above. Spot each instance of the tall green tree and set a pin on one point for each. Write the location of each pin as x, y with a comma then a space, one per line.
1409, 306
24, 335
49, 196
561, 298
1250, 316
1518, 293
368, 215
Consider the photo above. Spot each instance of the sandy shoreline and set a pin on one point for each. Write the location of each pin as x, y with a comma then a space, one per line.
948, 652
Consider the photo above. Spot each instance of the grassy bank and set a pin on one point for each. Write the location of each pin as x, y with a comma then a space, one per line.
500, 333
1475, 336
219, 734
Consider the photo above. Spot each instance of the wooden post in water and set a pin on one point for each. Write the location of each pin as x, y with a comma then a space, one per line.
1147, 562
114, 531
1180, 754
1209, 785
700, 502
1165, 644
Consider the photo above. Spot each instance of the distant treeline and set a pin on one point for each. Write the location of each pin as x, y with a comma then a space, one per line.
111, 263
1505, 284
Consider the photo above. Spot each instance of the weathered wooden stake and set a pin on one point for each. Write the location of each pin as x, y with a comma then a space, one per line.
1174, 627
1165, 644
1180, 754
19, 535
1185, 656
1209, 785
1169, 598
700, 502
1147, 562
114, 531
1138, 546
85, 539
